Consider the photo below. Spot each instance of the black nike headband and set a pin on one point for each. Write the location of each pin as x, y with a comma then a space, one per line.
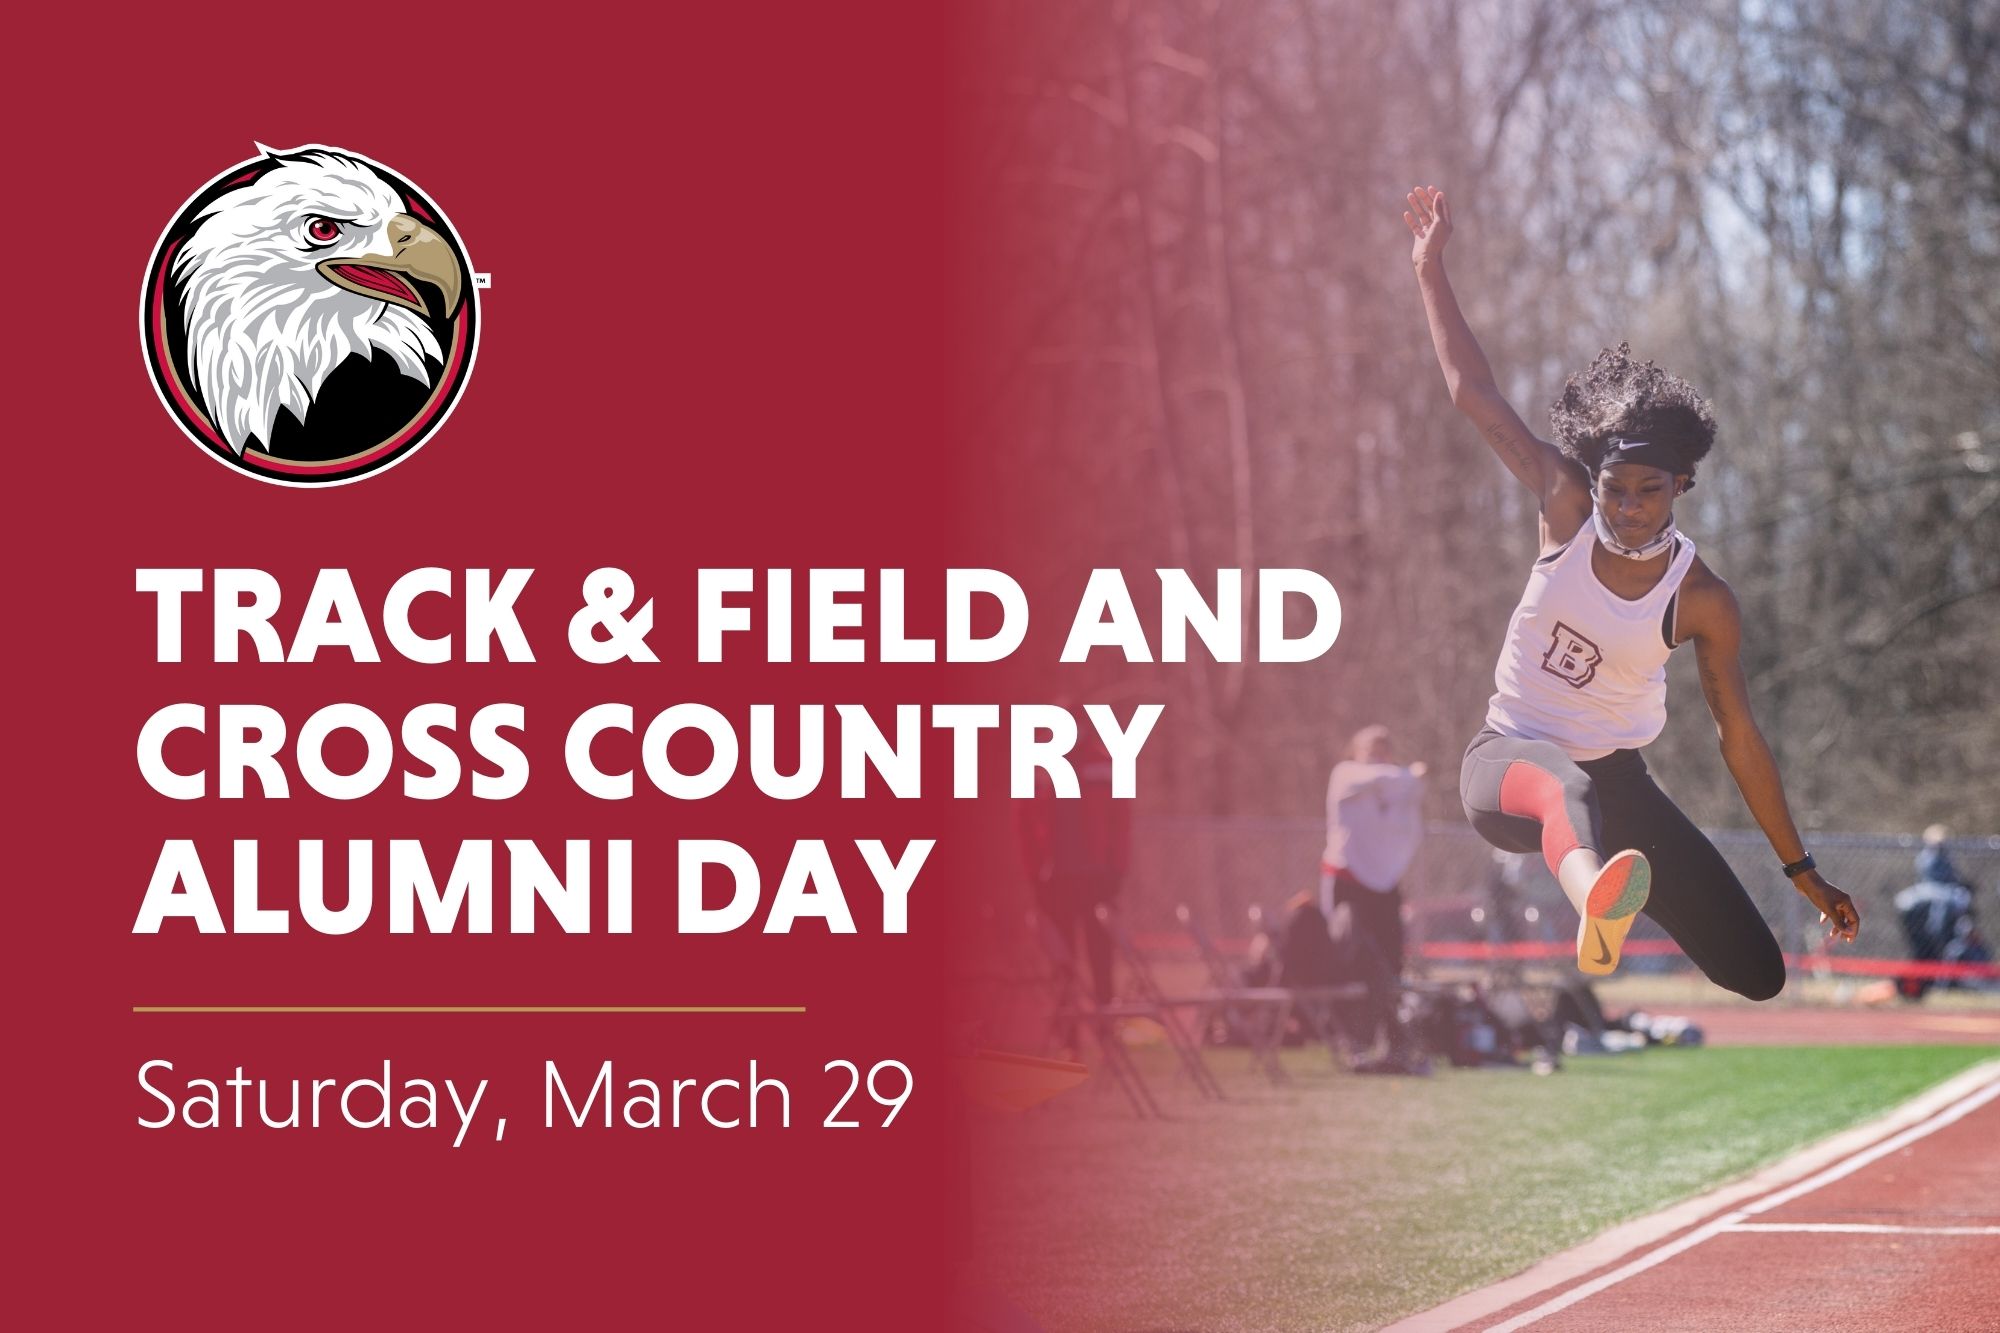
1649, 453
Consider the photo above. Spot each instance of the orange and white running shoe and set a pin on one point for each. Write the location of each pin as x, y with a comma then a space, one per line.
1615, 899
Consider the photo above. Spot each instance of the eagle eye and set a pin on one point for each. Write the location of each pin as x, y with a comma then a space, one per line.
322, 231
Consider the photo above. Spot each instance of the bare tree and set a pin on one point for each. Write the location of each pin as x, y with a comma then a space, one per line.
1206, 350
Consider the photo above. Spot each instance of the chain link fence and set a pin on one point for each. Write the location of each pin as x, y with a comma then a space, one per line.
1223, 867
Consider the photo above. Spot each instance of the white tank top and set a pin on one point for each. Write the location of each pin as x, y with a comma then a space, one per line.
1581, 666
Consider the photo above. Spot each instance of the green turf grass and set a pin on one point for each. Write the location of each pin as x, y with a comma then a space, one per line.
1345, 1202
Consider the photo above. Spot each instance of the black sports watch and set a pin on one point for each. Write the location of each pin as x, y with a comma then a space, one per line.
1800, 866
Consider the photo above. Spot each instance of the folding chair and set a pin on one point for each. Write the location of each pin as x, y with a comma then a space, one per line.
1073, 1011
1315, 1006
1260, 1013
1165, 1008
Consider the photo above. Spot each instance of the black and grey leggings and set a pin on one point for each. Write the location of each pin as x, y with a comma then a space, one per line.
1526, 796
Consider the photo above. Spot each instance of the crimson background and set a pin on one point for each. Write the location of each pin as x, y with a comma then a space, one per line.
720, 245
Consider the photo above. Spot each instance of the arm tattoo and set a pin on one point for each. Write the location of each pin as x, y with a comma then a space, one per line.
1712, 689
1510, 446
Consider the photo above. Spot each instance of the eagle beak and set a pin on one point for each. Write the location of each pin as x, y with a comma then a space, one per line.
416, 252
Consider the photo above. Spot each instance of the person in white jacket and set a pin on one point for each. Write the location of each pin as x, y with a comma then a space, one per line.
1374, 821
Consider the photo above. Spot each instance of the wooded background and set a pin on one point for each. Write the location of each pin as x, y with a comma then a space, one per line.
1201, 345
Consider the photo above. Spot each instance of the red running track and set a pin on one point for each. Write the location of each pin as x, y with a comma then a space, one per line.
1783, 1024
1895, 1230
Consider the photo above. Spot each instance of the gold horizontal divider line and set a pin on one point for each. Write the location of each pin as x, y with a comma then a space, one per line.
468, 1008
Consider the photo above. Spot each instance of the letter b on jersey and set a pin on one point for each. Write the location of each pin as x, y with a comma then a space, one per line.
1572, 657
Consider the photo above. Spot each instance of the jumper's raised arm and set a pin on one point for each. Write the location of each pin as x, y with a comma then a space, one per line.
1534, 462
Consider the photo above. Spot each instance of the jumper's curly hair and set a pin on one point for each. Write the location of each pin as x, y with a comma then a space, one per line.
1616, 395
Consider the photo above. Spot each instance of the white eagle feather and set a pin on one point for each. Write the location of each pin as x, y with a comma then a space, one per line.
264, 327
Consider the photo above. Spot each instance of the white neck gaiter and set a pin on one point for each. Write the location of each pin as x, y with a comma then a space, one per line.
1657, 543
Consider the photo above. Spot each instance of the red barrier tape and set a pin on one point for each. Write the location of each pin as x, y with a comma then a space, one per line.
1894, 967
1166, 944
1535, 949
1816, 962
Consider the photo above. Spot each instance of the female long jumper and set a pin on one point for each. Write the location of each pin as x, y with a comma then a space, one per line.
1581, 682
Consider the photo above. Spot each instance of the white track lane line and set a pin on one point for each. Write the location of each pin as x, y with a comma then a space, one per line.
1628, 1238
1864, 1229
1840, 1170
1955, 1112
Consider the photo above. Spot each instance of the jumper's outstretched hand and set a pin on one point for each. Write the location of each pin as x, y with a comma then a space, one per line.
1836, 910
1429, 220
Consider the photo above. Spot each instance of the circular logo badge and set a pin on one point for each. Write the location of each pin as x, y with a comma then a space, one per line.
309, 317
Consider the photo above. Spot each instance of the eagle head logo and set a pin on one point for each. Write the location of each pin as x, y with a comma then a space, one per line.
309, 316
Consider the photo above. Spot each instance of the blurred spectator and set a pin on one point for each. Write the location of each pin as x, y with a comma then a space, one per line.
1075, 853
1310, 955
1260, 962
1373, 826
1307, 954
1934, 861
1937, 916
